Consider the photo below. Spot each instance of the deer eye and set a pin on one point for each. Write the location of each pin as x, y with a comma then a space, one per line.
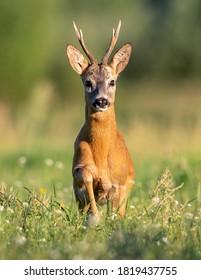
112, 83
88, 84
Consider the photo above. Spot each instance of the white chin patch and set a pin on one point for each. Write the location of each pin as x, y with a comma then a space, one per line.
100, 109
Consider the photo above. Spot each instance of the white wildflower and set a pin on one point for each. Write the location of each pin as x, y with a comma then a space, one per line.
49, 162
59, 165
58, 212
165, 240
156, 199
22, 160
113, 216
20, 240
25, 204
42, 240
10, 210
189, 215
19, 229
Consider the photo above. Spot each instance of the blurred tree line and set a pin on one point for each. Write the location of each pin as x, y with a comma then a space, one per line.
166, 35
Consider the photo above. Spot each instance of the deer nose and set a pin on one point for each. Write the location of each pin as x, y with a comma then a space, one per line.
101, 103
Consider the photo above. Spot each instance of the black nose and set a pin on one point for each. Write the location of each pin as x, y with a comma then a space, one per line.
101, 102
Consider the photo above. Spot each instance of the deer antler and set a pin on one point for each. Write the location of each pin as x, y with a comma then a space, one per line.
79, 35
114, 38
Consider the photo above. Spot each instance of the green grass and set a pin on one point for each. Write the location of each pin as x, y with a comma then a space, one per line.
39, 217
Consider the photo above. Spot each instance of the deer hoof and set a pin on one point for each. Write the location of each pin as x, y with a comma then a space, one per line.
94, 220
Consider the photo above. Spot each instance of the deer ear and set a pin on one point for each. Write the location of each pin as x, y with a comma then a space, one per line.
78, 62
121, 58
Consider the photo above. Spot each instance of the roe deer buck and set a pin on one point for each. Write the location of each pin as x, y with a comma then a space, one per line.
102, 168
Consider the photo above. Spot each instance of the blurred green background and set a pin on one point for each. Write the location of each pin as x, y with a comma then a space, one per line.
166, 35
158, 99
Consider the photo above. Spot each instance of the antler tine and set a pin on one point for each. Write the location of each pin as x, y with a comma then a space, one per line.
115, 35
80, 37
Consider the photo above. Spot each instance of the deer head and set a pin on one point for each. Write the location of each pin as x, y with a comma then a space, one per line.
99, 79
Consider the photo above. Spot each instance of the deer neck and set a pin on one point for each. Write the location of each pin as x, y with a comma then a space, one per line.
101, 131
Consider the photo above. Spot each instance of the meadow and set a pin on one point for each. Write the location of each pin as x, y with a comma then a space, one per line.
38, 215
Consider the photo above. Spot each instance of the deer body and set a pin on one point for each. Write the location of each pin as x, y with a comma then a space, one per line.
102, 168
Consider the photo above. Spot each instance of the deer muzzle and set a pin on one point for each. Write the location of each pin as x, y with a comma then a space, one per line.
101, 104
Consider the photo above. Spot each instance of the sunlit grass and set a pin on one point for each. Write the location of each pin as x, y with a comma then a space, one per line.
156, 226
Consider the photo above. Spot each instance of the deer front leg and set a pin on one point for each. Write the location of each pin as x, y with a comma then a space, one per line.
118, 197
83, 186
124, 192
84, 174
117, 200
